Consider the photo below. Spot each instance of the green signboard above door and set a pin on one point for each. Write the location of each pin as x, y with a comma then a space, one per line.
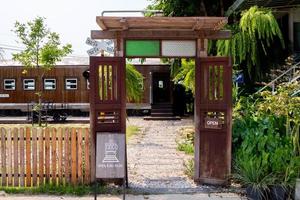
143, 48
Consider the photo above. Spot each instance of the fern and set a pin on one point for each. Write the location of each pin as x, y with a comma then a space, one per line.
257, 28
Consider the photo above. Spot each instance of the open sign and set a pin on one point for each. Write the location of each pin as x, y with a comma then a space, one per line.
212, 123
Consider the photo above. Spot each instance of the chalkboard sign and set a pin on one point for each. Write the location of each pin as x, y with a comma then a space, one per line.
110, 155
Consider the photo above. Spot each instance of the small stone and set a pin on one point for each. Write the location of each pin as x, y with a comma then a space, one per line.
2, 194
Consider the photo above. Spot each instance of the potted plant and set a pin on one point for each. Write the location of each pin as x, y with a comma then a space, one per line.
284, 165
252, 173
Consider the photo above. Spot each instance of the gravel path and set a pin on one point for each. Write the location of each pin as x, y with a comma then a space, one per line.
154, 164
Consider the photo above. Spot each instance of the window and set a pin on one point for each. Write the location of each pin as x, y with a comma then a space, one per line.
71, 83
9, 84
49, 84
28, 84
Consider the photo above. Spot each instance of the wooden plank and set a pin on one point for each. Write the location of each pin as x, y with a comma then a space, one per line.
60, 155
9, 158
41, 157
53, 156
47, 154
3, 156
159, 34
16, 161
79, 155
87, 156
22, 160
66, 156
73, 156
34, 157
28, 157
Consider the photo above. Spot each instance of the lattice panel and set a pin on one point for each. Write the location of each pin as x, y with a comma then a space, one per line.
107, 85
178, 48
215, 82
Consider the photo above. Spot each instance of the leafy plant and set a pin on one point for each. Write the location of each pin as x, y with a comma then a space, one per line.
252, 36
134, 84
252, 172
185, 73
42, 49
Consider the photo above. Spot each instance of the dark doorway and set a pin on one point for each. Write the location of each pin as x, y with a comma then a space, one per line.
161, 87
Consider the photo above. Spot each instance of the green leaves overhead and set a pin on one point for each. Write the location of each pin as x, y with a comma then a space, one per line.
256, 30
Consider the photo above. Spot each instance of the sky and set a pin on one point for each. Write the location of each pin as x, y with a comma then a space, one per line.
72, 19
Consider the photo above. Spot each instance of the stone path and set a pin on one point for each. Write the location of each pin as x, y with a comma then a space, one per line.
154, 164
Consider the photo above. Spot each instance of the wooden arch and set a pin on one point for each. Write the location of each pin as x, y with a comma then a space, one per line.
212, 90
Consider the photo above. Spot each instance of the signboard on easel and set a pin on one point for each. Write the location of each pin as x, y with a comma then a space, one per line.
110, 156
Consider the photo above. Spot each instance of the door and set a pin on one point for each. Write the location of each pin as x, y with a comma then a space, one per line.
161, 87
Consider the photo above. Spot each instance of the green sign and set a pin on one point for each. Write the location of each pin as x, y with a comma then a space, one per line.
149, 48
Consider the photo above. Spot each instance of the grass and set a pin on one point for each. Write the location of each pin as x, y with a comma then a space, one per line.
185, 142
189, 166
131, 130
186, 147
51, 189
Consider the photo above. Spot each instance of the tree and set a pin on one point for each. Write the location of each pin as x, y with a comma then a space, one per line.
191, 7
43, 49
252, 38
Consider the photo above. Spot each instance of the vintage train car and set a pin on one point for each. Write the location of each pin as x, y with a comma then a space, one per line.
66, 87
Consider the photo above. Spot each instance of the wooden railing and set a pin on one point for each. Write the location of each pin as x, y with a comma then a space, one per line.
37, 156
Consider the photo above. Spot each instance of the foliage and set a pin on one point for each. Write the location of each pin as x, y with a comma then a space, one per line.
186, 140
266, 135
187, 147
134, 84
52, 189
252, 172
255, 33
186, 74
42, 49
131, 130
191, 7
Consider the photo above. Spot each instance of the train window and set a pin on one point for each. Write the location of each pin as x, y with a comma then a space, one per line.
9, 84
49, 84
28, 84
71, 83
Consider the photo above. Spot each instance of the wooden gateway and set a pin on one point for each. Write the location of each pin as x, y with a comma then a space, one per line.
167, 37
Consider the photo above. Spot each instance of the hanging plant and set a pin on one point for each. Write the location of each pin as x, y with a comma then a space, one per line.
256, 30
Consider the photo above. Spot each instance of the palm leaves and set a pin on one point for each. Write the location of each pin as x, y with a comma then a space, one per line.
134, 84
185, 74
256, 30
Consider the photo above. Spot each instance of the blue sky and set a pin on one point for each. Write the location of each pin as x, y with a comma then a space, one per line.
72, 19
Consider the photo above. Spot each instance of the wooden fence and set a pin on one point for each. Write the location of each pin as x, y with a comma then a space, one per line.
36, 156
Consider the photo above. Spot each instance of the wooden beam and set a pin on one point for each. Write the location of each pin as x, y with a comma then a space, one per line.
224, 34
198, 25
101, 24
124, 23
